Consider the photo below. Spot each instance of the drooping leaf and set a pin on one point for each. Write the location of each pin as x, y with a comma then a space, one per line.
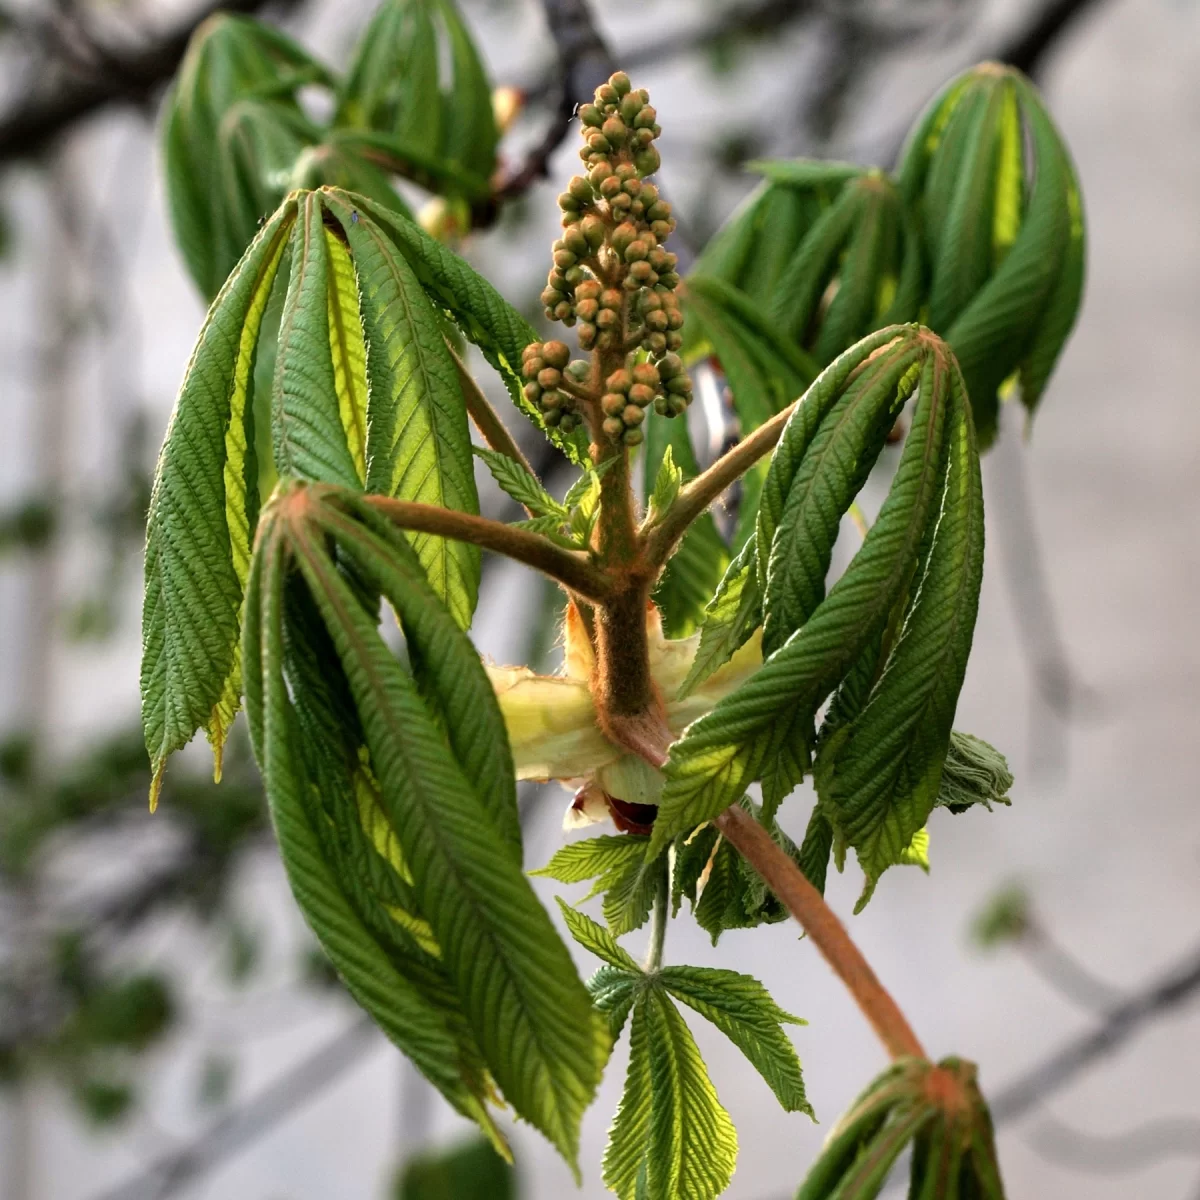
742, 1009
518, 988
202, 513
878, 776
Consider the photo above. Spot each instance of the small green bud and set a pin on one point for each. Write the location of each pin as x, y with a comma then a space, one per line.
621, 203
614, 131
557, 355
661, 229
633, 437
679, 385
552, 418
658, 321
640, 394
669, 366
649, 302
592, 228
586, 333
567, 202
564, 259
623, 236
660, 406
607, 318
548, 377
578, 370
589, 289
656, 343
647, 160
599, 173
675, 320
629, 108
532, 365
646, 373
610, 187
551, 401
619, 381
674, 341
533, 392
580, 189
620, 83
562, 311
646, 117
589, 114
632, 415
613, 426
574, 241
635, 250
640, 271
648, 194
587, 310
642, 138
597, 143
550, 297
612, 404
573, 276
610, 298
607, 94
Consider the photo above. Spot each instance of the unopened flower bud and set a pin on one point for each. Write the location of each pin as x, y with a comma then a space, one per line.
641, 272
607, 94
646, 117
575, 241
656, 343
578, 370
567, 202
679, 385
610, 298
552, 418
647, 160
548, 377
607, 318
612, 404
587, 310
640, 394
589, 114
532, 365
620, 83
573, 276
658, 321
613, 426
562, 311
674, 341
610, 187
556, 355
533, 391
551, 401
629, 107
581, 189
669, 366
564, 259
632, 415
586, 333
615, 131
589, 289
621, 203
623, 236
599, 173
647, 374
619, 381
592, 228
551, 296
597, 143
632, 437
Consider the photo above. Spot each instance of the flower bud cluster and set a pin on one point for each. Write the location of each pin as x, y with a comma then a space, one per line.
613, 281
548, 372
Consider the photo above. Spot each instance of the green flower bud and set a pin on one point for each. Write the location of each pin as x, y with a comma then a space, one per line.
641, 394
642, 138
669, 279
597, 143
567, 202
661, 229
562, 311
575, 241
587, 310
641, 272
646, 373
564, 259
610, 187
586, 333
674, 341
679, 385
578, 370
648, 194
550, 297
551, 401
548, 377
599, 173
573, 276
607, 318
589, 114
632, 415
610, 298
669, 366
557, 355
647, 160
593, 230
533, 391
607, 94
635, 250
629, 107
613, 426
675, 319
656, 343
532, 365
623, 236
552, 418
580, 189
619, 381
612, 404
615, 131
633, 437
620, 83
658, 321
646, 117
659, 211
660, 406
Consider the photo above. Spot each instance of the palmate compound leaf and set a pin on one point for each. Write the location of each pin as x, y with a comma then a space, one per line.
364, 390
763, 729
671, 1137
202, 515
619, 868
519, 993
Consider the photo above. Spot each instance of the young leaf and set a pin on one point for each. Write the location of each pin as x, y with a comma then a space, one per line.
742, 1009
666, 485
625, 1156
367, 968
973, 773
692, 1146
484, 316
613, 991
515, 481
879, 775
594, 938
307, 424
418, 440
202, 515
514, 977
731, 617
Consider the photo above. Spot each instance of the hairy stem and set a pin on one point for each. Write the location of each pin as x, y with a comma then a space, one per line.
571, 569
487, 419
658, 922
664, 534
829, 935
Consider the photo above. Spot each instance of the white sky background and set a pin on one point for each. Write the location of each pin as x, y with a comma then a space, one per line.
1105, 829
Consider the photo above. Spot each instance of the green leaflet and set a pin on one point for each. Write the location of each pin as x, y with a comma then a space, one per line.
445, 664
525, 488
742, 1009
484, 316
348, 351
403, 1013
625, 1156
394, 87
307, 425
765, 372
202, 512
973, 773
594, 938
418, 440
693, 571
620, 870
514, 978
878, 776
762, 730
231, 126
730, 618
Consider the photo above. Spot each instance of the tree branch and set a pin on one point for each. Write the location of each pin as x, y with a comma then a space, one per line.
829, 935
128, 75
570, 568
695, 497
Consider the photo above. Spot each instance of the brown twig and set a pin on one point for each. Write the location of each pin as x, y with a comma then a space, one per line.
821, 924
696, 496
570, 568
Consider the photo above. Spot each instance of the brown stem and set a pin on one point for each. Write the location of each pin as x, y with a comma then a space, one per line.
571, 569
829, 935
486, 419
663, 535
